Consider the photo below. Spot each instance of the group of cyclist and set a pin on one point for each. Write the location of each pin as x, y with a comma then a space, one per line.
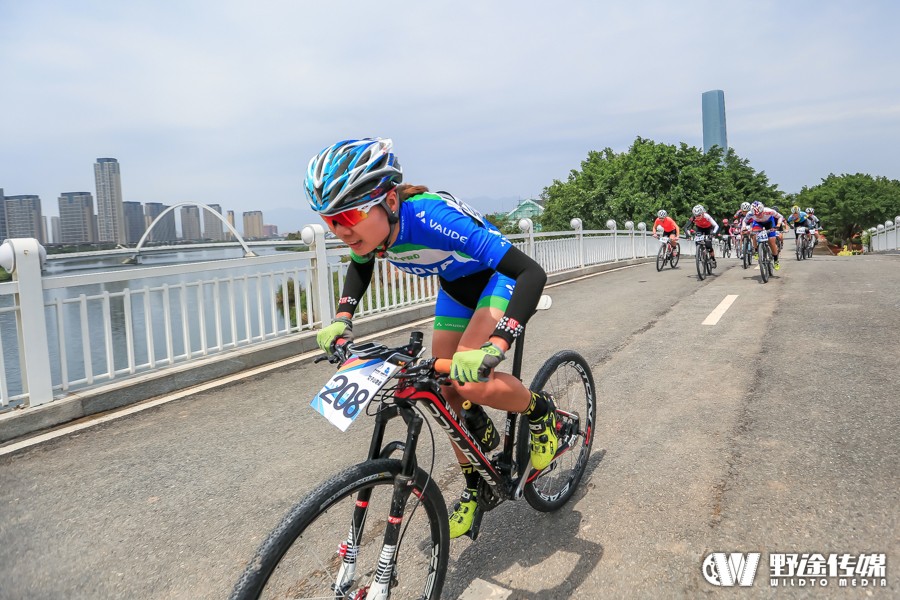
751, 218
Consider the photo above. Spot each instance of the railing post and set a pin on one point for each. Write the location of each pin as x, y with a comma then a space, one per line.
897, 232
23, 257
323, 306
629, 225
611, 224
642, 227
578, 226
526, 226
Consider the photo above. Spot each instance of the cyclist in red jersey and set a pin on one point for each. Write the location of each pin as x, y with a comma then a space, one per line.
707, 225
670, 229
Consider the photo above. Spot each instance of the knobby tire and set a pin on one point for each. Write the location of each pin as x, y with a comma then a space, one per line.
320, 524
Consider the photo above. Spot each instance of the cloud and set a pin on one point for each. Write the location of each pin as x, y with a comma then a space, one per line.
224, 102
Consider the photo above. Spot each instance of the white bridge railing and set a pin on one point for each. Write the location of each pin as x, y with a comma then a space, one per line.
65, 333
887, 236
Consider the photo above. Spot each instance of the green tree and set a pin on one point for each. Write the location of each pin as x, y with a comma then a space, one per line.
848, 204
650, 176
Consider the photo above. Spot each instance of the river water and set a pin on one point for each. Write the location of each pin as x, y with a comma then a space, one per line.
246, 295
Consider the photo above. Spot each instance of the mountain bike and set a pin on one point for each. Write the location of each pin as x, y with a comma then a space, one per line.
801, 243
726, 246
666, 254
702, 257
380, 529
766, 262
747, 251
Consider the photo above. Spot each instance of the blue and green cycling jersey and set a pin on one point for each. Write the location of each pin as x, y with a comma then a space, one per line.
797, 219
439, 235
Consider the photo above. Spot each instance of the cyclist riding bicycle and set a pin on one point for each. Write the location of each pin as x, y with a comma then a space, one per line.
488, 288
670, 229
726, 235
798, 218
706, 225
761, 217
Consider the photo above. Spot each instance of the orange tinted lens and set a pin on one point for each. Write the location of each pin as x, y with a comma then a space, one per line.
348, 218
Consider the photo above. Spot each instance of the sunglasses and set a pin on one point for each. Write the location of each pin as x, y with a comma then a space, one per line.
352, 217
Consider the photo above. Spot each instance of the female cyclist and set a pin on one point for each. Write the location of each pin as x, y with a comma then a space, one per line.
488, 288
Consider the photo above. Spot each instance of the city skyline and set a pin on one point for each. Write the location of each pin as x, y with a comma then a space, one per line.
118, 221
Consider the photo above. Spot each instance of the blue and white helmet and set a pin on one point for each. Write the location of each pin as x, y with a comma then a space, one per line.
350, 174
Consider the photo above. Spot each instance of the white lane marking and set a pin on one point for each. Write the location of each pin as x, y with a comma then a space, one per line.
136, 408
717, 313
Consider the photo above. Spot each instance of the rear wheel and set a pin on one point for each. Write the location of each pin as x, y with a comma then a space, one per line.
676, 255
310, 553
567, 377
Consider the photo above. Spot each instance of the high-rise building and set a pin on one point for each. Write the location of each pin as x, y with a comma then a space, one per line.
134, 221
230, 235
190, 223
253, 224
270, 231
110, 215
212, 226
4, 233
44, 235
76, 218
54, 229
23, 217
714, 133
164, 231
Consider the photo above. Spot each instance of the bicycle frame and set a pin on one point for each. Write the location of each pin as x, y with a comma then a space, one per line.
498, 476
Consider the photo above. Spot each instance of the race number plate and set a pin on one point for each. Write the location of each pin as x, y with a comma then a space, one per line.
699, 237
801, 230
762, 236
347, 394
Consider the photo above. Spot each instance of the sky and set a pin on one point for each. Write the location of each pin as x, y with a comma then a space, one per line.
225, 101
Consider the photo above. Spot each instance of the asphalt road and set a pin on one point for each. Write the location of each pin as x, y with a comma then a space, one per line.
775, 430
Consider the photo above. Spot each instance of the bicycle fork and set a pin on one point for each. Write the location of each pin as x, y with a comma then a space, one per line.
385, 573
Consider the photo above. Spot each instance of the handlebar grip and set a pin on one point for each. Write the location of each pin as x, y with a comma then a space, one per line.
442, 365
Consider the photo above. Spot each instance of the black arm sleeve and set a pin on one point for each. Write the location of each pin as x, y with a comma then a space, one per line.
530, 279
359, 275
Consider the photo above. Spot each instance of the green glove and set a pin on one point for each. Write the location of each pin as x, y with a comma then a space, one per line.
468, 366
327, 336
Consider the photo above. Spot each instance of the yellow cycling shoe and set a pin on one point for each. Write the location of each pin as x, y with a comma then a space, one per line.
544, 441
463, 513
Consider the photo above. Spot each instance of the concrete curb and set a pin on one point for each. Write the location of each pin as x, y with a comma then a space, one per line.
18, 424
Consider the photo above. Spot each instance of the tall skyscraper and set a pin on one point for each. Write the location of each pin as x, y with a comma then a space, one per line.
253, 224
164, 231
110, 216
714, 133
230, 235
54, 228
23, 217
190, 223
212, 226
4, 233
134, 221
76, 218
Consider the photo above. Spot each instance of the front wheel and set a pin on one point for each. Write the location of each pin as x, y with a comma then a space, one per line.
567, 377
311, 555
801, 249
763, 262
701, 262
661, 258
